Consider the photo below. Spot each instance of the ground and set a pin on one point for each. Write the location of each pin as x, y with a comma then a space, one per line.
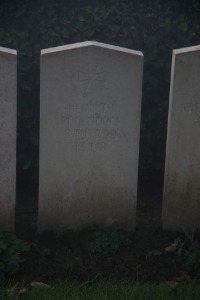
101, 255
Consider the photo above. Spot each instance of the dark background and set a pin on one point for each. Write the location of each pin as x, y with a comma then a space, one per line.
155, 27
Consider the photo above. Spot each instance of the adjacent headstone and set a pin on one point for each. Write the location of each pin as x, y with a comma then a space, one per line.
8, 116
181, 203
89, 136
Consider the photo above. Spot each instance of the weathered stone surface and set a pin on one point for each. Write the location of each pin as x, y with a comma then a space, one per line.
8, 116
181, 203
89, 136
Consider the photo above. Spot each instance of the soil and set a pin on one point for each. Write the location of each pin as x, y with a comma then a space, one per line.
96, 254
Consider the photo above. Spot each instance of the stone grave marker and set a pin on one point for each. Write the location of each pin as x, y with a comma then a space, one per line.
8, 117
89, 136
181, 201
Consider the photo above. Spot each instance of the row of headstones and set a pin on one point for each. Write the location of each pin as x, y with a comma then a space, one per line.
89, 137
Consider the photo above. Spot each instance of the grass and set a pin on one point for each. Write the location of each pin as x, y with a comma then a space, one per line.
109, 291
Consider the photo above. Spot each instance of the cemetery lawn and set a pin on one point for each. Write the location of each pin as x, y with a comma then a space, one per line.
96, 255
105, 291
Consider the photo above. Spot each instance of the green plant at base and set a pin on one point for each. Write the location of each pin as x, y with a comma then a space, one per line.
189, 251
108, 291
60, 230
107, 241
10, 253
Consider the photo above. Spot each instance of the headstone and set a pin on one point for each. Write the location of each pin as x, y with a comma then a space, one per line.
181, 203
8, 117
89, 136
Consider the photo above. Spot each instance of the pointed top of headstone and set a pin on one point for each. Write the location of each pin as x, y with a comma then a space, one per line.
8, 50
88, 44
187, 49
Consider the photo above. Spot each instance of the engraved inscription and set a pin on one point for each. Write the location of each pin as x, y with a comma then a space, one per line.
90, 108
194, 86
95, 133
90, 146
91, 126
84, 80
74, 122
91, 77
6, 149
193, 108
3, 95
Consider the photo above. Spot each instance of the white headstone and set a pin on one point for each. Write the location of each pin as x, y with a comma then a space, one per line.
89, 136
8, 117
181, 203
